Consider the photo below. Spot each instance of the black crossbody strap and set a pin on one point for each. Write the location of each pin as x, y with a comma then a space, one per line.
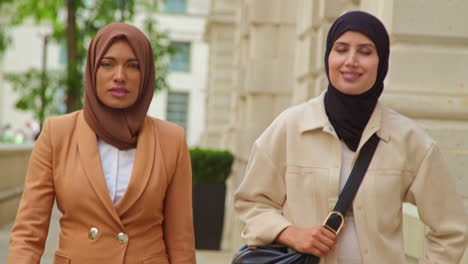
357, 174
335, 219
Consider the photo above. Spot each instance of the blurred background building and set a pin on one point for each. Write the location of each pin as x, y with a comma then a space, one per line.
184, 103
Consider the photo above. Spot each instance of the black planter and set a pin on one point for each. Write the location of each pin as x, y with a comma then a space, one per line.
208, 214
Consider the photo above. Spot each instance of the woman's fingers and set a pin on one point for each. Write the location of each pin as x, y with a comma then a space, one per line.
320, 249
327, 233
319, 241
328, 240
316, 240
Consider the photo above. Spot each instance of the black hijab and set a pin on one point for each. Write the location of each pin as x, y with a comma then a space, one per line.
349, 114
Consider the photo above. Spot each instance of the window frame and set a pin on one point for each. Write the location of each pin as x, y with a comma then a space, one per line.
176, 66
168, 8
187, 107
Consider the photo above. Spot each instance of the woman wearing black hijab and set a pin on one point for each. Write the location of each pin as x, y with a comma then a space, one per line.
300, 164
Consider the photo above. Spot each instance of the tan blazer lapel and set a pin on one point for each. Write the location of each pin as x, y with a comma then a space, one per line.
142, 167
91, 162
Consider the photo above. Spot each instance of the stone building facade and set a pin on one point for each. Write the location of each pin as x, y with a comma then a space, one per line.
266, 55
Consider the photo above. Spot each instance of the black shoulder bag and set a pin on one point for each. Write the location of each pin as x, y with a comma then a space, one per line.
334, 221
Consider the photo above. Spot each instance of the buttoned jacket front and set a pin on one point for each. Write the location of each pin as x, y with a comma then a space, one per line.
292, 178
151, 224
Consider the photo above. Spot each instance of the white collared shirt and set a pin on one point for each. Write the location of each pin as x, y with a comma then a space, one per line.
117, 166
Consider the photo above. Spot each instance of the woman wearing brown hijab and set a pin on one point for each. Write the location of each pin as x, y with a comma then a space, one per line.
121, 179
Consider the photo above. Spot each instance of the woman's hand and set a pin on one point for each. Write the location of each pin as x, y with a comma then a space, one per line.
316, 240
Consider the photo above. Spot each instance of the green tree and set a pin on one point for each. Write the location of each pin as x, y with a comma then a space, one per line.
5, 39
38, 89
41, 95
73, 23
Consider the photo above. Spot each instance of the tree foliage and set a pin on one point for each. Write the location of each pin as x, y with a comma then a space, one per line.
73, 23
4, 40
41, 96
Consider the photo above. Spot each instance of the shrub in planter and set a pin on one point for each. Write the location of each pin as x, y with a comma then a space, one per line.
210, 169
210, 166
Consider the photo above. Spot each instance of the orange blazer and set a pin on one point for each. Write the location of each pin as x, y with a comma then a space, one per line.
151, 224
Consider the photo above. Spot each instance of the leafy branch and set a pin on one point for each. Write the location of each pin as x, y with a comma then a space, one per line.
39, 93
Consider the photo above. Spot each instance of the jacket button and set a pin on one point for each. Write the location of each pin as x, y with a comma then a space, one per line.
122, 237
93, 233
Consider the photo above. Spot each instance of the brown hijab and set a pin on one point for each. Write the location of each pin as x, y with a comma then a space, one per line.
118, 127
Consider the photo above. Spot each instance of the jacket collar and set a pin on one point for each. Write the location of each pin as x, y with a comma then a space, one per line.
314, 117
89, 156
142, 167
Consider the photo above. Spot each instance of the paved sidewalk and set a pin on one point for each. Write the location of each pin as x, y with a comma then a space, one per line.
203, 256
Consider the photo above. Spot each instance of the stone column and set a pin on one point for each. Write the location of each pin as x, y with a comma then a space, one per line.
222, 91
262, 87
220, 37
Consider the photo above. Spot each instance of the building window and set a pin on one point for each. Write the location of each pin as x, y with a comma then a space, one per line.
175, 6
177, 108
180, 61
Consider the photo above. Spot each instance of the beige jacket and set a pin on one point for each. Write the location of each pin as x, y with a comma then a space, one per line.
292, 178
151, 224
